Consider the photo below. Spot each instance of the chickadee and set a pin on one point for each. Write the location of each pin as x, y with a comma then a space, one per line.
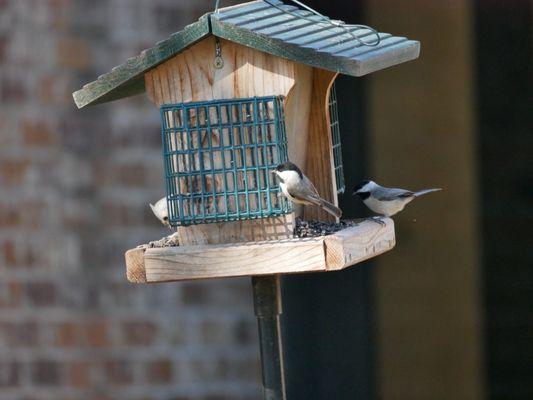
160, 210
386, 201
299, 189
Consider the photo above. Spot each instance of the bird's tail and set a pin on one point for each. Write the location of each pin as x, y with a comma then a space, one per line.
425, 191
330, 208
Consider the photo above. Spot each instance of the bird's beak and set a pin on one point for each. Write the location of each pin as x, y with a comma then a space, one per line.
273, 172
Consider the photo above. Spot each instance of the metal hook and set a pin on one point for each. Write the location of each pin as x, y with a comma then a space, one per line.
219, 61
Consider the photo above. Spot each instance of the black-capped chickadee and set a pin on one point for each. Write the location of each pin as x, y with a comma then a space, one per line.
160, 210
386, 201
299, 189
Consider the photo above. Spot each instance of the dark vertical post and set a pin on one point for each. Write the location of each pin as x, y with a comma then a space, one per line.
267, 306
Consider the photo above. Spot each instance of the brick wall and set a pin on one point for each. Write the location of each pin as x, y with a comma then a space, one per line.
74, 187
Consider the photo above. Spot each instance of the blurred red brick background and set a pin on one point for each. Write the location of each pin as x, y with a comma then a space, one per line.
74, 188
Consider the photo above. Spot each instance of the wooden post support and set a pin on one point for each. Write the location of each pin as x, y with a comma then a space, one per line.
267, 306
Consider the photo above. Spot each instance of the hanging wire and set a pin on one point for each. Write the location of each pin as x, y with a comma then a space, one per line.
333, 24
219, 61
348, 28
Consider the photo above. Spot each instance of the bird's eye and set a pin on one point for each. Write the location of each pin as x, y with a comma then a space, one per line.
165, 218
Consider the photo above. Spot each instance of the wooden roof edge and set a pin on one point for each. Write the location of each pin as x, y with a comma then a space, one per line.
128, 79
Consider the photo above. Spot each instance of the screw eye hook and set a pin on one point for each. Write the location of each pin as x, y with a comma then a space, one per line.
219, 61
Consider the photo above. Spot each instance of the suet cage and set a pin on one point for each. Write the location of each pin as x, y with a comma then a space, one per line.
336, 140
218, 158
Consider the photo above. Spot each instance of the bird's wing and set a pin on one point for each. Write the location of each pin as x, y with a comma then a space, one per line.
306, 191
389, 194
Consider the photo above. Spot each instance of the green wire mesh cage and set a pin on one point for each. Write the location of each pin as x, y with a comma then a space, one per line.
336, 140
218, 157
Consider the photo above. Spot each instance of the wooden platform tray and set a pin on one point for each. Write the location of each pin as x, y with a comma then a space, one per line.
325, 253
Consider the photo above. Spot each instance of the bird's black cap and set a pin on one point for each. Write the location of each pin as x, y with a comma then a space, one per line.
289, 166
360, 186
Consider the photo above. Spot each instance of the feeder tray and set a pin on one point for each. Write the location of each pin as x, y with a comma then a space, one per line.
319, 254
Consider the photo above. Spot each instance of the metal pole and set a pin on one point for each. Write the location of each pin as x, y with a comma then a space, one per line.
267, 306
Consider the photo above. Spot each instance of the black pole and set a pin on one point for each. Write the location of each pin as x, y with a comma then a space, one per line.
267, 306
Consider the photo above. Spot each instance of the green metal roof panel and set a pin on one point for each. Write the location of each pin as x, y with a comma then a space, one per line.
279, 29
299, 35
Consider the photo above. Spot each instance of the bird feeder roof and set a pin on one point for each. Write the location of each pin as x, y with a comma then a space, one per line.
281, 30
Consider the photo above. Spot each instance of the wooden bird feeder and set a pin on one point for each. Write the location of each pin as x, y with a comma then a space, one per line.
239, 91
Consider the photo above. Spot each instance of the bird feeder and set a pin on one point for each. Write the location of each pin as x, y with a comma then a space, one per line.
239, 91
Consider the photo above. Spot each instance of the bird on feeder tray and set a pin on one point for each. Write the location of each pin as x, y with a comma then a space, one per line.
160, 210
299, 189
386, 201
